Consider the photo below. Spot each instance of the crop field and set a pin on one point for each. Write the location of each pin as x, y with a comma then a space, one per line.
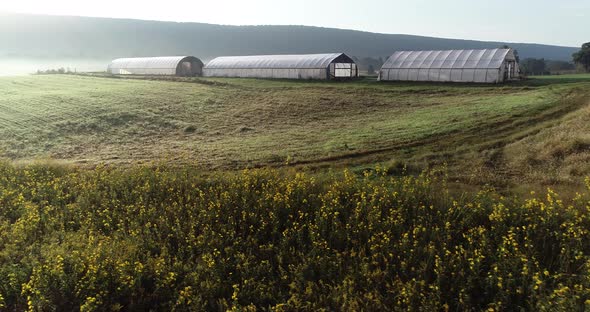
136, 239
257, 195
243, 123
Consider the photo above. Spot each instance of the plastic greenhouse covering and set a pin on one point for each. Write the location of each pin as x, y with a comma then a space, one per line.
303, 66
163, 65
489, 66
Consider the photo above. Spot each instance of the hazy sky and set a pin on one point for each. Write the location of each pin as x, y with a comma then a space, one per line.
563, 22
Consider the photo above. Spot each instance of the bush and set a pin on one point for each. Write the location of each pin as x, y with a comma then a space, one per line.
59, 71
173, 239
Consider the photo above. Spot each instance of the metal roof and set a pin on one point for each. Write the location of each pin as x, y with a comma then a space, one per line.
160, 62
471, 59
277, 61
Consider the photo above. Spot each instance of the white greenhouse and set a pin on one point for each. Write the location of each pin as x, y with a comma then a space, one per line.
304, 66
185, 66
483, 66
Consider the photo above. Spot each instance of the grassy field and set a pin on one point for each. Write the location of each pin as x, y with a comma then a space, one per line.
495, 132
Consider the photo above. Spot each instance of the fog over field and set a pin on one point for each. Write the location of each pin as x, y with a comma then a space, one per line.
24, 66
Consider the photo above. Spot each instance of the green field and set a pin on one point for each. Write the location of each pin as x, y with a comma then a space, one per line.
241, 123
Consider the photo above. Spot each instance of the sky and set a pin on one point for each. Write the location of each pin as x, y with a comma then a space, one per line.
563, 22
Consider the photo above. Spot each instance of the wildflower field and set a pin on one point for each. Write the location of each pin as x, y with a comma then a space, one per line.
178, 239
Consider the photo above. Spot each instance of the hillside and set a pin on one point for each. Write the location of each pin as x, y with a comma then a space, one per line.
34, 36
513, 132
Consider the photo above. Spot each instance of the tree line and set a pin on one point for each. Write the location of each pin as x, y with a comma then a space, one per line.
541, 66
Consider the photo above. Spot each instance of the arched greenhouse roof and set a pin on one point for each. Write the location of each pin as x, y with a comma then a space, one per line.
278, 61
159, 62
466, 59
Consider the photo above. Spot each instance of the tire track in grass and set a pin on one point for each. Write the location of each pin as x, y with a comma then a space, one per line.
495, 135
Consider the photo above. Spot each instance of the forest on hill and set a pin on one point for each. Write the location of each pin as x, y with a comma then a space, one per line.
38, 36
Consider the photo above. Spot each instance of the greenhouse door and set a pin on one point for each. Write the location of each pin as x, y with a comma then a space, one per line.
186, 69
343, 70
510, 71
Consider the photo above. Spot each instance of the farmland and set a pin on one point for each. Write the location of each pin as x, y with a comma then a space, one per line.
246, 195
173, 239
241, 123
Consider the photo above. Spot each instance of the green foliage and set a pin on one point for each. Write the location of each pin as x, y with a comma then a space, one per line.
369, 64
583, 56
560, 66
173, 239
532, 66
59, 71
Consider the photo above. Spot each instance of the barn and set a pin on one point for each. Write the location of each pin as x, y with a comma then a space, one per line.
482, 66
303, 66
184, 66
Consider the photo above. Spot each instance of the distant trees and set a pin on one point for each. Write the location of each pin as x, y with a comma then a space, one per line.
582, 57
559, 66
369, 64
533, 66
58, 71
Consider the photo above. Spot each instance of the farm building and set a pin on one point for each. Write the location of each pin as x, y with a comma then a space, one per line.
304, 66
484, 66
185, 66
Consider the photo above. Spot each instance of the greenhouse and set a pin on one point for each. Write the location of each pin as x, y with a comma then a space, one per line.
185, 66
483, 66
305, 66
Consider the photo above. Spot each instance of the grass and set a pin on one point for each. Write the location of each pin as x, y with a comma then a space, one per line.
570, 77
239, 123
561, 151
